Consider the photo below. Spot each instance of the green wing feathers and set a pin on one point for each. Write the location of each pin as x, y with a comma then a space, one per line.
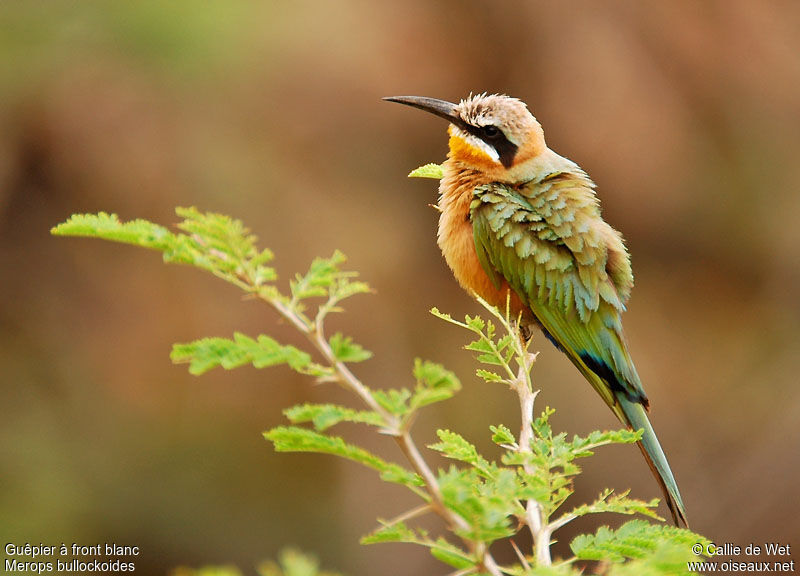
548, 241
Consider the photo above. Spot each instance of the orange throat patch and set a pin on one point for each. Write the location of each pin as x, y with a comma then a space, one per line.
463, 151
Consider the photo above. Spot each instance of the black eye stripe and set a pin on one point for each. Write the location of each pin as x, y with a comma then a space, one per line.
497, 140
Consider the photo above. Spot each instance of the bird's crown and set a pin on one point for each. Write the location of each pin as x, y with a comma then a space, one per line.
504, 112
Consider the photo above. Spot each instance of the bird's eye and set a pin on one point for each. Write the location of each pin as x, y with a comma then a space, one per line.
491, 131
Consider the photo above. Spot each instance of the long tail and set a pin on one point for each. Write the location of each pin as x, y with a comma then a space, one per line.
636, 416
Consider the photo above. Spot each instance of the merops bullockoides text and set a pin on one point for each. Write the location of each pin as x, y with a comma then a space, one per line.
517, 217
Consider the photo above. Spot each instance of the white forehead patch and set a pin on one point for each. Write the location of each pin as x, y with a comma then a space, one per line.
477, 143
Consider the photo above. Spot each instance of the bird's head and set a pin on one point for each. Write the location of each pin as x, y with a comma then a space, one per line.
491, 133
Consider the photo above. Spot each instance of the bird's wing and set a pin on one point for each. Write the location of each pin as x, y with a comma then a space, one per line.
549, 243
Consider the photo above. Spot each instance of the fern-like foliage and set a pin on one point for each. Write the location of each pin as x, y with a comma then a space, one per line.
481, 501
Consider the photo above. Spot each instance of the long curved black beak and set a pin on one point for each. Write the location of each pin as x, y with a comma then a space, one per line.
441, 108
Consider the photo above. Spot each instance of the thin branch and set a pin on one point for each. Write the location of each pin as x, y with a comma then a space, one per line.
562, 521
408, 515
533, 510
315, 334
464, 572
321, 342
522, 383
520, 555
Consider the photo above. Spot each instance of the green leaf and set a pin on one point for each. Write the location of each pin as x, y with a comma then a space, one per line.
396, 474
344, 287
546, 473
428, 171
439, 548
443, 315
491, 350
537, 486
454, 446
584, 446
210, 241
319, 371
207, 353
618, 504
323, 416
293, 563
667, 559
219, 241
395, 532
325, 279
541, 425
393, 400
434, 384
488, 354
207, 571
345, 350
321, 275
634, 539
502, 436
108, 227
488, 504
451, 555
294, 439
489, 376
477, 324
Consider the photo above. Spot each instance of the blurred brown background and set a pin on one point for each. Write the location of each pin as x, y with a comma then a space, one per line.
686, 114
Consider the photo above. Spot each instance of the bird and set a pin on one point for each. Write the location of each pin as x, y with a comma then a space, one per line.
520, 223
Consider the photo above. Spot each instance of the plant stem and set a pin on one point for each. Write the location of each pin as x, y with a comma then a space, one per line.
315, 334
523, 385
409, 515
